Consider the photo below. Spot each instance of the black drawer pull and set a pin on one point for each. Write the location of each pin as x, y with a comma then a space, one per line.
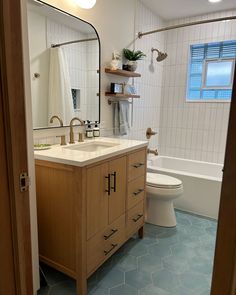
137, 219
138, 165
113, 246
138, 192
108, 190
113, 231
114, 182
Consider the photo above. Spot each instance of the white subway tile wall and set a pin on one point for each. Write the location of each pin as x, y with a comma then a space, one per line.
146, 110
194, 130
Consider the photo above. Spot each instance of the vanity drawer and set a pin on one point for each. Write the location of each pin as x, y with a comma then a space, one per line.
137, 164
136, 191
135, 218
104, 244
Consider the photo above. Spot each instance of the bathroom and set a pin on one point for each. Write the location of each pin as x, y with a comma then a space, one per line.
188, 141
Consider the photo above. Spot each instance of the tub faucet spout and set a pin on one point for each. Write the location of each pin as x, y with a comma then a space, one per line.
154, 152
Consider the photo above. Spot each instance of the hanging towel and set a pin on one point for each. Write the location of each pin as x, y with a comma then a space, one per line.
121, 118
60, 101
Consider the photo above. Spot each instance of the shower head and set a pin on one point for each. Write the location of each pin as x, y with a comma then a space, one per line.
161, 56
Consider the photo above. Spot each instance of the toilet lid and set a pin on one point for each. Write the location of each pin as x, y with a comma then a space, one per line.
163, 181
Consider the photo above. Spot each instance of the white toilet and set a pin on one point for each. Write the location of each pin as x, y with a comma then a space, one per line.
161, 191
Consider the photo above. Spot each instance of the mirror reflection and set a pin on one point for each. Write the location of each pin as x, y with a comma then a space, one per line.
64, 64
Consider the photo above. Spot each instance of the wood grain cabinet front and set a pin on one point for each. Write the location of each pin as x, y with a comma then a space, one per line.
106, 194
136, 191
86, 213
137, 164
105, 243
135, 219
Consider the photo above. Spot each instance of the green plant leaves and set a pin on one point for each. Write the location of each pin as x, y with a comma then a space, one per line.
133, 55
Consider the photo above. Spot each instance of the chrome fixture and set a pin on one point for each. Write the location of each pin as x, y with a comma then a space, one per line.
154, 152
58, 118
207, 21
150, 133
63, 139
72, 140
161, 56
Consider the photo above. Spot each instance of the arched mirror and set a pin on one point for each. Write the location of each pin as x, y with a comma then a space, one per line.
64, 65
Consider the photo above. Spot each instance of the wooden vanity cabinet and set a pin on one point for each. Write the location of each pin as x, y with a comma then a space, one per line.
85, 214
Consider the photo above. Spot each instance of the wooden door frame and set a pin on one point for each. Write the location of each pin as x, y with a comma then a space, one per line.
224, 273
12, 101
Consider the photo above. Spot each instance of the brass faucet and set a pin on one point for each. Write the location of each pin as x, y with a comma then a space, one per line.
58, 118
72, 140
154, 152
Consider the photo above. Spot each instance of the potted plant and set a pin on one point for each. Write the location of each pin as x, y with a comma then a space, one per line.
132, 57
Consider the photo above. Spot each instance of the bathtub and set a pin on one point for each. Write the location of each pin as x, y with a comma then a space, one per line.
201, 181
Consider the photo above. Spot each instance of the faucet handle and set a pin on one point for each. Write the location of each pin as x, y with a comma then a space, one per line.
150, 132
81, 137
63, 139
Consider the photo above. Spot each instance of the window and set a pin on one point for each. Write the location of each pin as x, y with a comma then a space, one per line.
211, 70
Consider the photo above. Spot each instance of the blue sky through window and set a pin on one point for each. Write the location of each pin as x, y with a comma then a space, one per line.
211, 71
219, 74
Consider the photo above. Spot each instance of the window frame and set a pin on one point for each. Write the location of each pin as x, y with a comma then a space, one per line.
188, 76
217, 60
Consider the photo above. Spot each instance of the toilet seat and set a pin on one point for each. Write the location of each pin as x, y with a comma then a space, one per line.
163, 181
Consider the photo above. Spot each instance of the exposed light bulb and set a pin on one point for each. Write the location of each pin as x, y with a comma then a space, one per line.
86, 4
214, 1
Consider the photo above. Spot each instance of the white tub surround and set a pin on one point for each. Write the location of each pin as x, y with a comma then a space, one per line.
201, 182
80, 158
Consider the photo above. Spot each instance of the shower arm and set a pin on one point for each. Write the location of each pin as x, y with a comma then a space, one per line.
153, 49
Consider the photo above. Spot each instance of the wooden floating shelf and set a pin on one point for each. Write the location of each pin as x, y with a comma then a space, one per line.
122, 73
116, 95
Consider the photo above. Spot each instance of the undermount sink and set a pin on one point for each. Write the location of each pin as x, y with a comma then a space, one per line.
92, 146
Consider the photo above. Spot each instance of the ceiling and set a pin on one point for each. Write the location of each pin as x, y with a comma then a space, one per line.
173, 9
58, 16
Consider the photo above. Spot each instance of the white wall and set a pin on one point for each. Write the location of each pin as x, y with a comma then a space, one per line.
146, 111
189, 129
39, 63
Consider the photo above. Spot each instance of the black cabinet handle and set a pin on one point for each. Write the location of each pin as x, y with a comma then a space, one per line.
114, 181
108, 190
139, 216
138, 192
113, 231
113, 246
138, 165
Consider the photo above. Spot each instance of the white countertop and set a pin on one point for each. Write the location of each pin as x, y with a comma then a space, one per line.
63, 155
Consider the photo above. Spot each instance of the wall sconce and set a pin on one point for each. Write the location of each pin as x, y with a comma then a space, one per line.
86, 4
